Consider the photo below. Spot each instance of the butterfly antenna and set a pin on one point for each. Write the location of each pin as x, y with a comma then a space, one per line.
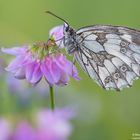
56, 16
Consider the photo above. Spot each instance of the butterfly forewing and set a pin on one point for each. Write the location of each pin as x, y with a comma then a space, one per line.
109, 54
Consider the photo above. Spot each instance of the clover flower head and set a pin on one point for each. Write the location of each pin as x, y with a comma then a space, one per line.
49, 125
39, 60
23, 131
54, 125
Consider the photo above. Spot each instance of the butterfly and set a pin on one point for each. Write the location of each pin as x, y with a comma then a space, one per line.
108, 54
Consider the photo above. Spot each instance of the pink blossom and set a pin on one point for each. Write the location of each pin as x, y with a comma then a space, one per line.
48, 125
54, 125
34, 62
57, 34
24, 131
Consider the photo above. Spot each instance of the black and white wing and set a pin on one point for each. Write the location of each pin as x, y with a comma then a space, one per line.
110, 55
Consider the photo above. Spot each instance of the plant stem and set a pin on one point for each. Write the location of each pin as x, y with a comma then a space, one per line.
52, 98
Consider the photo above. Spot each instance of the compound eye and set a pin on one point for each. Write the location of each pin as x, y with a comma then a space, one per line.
66, 27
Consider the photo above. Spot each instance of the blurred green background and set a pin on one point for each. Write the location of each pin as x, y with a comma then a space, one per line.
101, 115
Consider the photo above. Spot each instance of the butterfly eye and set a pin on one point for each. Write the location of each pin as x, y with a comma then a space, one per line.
67, 29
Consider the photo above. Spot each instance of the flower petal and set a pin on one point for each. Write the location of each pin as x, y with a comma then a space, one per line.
37, 74
15, 64
20, 73
29, 71
45, 68
68, 66
61, 61
56, 72
19, 62
72, 70
63, 80
75, 73
57, 32
14, 51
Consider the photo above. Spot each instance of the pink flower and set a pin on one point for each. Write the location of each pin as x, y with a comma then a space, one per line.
34, 62
48, 125
57, 34
23, 131
54, 125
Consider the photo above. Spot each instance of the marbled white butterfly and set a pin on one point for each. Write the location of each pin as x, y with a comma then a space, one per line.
108, 54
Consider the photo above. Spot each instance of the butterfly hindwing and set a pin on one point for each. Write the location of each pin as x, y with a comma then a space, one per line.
110, 55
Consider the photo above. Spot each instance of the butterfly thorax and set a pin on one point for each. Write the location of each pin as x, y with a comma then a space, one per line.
71, 40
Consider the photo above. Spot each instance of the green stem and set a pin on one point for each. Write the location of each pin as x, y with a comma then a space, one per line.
52, 98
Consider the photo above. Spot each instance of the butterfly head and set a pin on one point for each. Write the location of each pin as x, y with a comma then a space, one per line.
68, 31
69, 34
